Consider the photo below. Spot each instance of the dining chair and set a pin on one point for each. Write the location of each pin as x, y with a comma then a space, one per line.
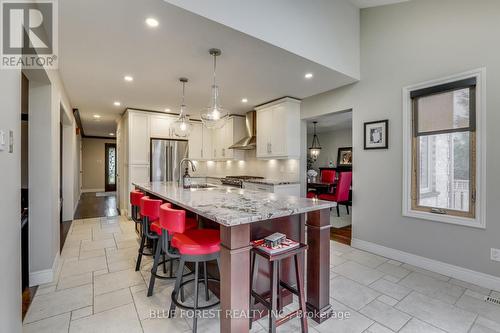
341, 195
326, 176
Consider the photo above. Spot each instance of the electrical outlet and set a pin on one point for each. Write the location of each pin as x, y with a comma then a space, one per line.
495, 254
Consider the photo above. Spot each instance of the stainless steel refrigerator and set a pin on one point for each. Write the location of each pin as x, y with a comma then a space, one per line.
165, 158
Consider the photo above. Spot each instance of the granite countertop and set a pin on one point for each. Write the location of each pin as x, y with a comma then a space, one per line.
271, 182
231, 206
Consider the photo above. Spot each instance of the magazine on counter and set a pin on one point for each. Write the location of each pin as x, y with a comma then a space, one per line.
285, 245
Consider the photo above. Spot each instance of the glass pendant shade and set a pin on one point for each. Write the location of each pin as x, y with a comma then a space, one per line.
315, 148
215, 115
182, 126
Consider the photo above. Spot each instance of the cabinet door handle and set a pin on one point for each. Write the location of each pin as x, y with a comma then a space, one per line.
223, 152
201, 151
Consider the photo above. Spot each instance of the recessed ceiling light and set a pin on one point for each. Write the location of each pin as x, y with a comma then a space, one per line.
96, 116
128, 78
167, 110
151, 22
308, 76
117, 103
112, 134
244, 100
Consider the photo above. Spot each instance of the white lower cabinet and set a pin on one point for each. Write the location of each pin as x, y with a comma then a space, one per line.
285, 189
137, 174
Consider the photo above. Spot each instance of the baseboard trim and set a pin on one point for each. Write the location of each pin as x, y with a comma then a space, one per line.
87, 190
44, 276
457, 272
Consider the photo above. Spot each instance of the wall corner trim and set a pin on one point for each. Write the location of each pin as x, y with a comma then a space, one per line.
44, 276
460, 273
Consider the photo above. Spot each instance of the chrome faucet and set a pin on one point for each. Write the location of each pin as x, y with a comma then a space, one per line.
193, 168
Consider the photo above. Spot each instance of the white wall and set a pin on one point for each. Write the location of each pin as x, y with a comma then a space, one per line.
404, 44
10, 204
71, 164
323, 31
330, 144
47, 100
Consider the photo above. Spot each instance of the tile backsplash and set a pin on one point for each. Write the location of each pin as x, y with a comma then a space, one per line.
284, 170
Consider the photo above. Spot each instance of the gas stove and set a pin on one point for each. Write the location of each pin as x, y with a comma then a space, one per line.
237, 181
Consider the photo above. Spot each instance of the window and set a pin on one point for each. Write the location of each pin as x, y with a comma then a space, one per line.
441, 152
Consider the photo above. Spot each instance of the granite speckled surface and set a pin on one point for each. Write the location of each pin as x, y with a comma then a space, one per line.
271, 182
231, 206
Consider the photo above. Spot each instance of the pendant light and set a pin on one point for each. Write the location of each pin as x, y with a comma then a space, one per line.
214, 116
315, 148
182, 126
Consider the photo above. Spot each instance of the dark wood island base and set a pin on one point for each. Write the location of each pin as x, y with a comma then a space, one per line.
236, 235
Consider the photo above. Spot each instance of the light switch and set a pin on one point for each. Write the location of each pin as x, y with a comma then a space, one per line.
11, 141
3, 140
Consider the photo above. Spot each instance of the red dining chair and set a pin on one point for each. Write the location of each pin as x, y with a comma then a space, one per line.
341, 195
326, 176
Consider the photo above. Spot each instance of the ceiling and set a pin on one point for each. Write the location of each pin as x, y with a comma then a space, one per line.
375, 3
331, 122
102, 41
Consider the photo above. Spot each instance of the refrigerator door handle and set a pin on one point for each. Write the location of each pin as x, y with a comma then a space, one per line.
172, 166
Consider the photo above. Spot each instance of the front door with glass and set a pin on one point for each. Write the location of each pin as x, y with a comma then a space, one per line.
110, 167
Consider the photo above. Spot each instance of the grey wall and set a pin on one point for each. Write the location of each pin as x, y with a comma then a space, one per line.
404, 44
10, 204
330, 144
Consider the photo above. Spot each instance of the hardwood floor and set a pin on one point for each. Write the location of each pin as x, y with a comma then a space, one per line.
341, 235
91, 206
28, 295
64, 232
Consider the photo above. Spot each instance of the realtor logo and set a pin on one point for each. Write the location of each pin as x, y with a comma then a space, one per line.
28, 34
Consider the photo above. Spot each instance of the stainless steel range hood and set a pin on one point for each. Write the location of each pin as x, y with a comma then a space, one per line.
249, 142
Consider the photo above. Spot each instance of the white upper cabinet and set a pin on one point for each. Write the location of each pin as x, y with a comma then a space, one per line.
225, 137
139, 134
162, 126
278, 129
195, 140
207, 152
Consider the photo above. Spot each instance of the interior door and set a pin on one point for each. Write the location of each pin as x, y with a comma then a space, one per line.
110, 167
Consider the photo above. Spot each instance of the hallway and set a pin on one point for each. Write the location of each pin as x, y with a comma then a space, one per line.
97, 204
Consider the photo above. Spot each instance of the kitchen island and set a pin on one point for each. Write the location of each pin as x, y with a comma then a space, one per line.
245, 215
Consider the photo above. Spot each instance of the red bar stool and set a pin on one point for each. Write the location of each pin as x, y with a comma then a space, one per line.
190, 246
149, 210
164, 241
135, 202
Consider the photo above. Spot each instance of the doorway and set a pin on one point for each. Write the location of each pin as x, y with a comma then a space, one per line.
330, 158
110, 167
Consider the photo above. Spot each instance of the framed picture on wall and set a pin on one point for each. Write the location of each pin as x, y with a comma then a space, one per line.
344, 157
377, 134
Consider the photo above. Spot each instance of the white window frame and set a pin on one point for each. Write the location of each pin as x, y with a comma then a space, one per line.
479, 221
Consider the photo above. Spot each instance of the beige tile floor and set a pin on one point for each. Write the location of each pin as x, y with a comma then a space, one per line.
97, 290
